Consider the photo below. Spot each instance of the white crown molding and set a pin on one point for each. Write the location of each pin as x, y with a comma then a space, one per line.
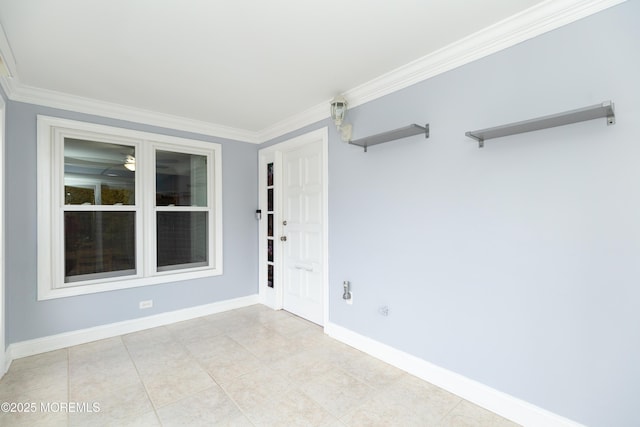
537, 20
507, 406
9, 61
49, 98
7, 53
526, 25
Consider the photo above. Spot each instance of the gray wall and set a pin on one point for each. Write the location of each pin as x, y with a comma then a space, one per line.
27, 318
516, 265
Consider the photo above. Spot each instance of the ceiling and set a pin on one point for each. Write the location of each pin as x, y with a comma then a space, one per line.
238, 64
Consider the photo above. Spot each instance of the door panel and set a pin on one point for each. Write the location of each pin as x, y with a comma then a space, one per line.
303, 248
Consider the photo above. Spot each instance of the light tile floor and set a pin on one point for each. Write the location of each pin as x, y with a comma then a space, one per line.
247, 367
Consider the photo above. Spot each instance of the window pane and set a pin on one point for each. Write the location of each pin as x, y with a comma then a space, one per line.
270, 275
95, 173
182, 240
270, 250
181, 179
99, 244
269, 174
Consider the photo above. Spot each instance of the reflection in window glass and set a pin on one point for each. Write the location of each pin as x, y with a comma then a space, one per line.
94, 173
76, 195
99, 244
269, 174
182, 240
270, 225
270, 275
181, 179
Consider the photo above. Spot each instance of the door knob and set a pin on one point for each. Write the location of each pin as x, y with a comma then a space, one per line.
283, 238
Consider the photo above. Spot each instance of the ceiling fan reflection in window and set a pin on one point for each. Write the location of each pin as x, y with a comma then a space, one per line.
130, 163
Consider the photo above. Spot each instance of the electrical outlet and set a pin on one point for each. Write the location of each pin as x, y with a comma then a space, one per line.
350, 300
146, 304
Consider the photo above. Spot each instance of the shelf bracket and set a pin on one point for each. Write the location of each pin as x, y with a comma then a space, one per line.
477, 138
611, 117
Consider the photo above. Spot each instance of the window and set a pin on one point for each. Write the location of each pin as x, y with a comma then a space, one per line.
119, 208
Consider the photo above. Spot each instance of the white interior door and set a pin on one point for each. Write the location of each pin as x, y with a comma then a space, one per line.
302, 231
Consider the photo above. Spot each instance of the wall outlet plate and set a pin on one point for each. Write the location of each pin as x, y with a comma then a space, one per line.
146, 304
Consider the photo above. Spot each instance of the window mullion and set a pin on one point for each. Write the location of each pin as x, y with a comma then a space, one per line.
147, 195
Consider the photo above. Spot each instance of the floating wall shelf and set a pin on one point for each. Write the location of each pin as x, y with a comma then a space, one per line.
391, 135
574, 116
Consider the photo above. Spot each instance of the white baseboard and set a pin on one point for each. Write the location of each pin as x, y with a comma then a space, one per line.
501, 403
68, 339
507, 406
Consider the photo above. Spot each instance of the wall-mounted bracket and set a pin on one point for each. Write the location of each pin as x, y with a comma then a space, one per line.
605, 109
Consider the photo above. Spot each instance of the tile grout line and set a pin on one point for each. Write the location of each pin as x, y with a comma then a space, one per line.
146, 391
295, 386
444, 417
262, 365
199, 363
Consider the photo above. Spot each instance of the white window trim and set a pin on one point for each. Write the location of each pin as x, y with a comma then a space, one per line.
50, 227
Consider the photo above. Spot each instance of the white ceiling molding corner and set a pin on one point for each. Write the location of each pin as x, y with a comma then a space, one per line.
526, 25
8, 84
6, 54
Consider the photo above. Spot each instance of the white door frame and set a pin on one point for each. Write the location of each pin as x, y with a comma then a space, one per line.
274, 298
